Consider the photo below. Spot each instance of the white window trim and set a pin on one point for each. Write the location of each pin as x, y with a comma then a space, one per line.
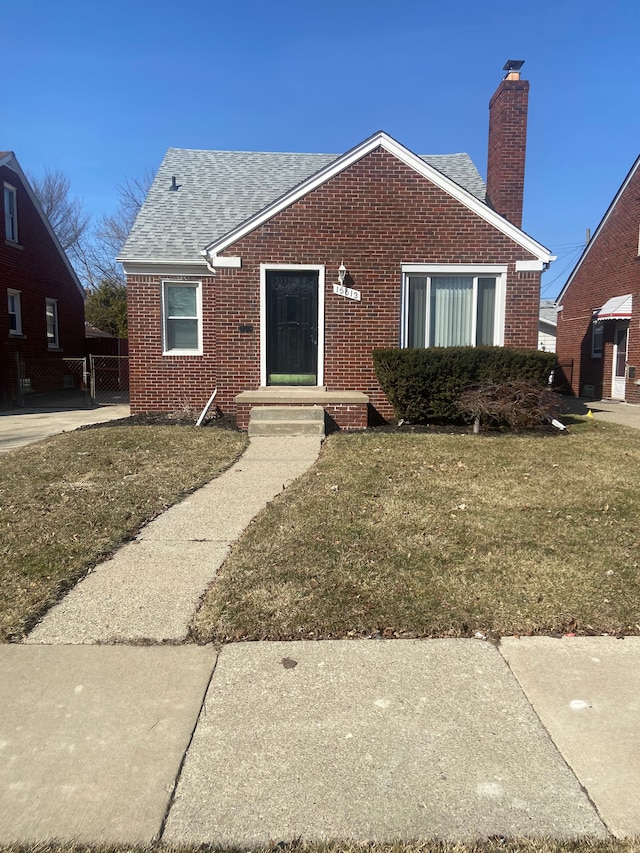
264, 268
497, 271
18, 313
198, 286
55, 343
11, 220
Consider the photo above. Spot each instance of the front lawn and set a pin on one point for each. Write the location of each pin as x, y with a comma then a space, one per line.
69, 501
442, 535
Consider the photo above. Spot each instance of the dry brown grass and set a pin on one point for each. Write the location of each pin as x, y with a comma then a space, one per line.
492, 845
67, 502
442, 535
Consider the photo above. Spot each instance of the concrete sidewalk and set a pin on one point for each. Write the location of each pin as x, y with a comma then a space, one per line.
363, 739
609, 411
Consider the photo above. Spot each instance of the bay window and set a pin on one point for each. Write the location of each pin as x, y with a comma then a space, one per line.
452, 306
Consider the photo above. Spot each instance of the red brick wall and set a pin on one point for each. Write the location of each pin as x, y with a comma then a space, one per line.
36, 269
507, 148
374, 216
610, 268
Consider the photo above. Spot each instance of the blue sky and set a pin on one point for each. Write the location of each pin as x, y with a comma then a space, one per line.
101, 90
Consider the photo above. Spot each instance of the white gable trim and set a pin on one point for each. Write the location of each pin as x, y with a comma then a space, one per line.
405, 156
603, 222
10, 161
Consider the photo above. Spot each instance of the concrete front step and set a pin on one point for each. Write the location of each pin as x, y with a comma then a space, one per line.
287, 413
286, 428
287, 420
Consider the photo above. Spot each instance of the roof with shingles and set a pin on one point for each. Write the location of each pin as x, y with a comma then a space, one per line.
548, 312
218, 190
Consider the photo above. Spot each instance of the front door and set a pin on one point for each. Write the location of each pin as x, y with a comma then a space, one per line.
292, 327
620, 337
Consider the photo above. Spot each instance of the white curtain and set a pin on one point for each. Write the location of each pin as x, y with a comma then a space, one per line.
451, 312
417, 319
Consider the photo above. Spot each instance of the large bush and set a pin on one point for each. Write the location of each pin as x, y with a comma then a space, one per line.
516, 405
424, 384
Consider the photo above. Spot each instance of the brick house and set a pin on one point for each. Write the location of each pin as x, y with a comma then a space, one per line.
598, 340
42, 309
272, 277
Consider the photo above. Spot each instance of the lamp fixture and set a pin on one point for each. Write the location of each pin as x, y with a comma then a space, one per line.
342, 272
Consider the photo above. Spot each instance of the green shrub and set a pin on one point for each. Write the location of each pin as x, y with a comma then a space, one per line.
423, 384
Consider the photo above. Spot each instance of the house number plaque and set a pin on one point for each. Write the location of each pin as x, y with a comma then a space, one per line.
341, 290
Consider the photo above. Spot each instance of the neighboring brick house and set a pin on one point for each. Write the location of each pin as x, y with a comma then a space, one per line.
598, 342
42, 307
272, 277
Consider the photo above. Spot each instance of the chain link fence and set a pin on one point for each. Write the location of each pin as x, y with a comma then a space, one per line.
50, 381
109, 379
94, 380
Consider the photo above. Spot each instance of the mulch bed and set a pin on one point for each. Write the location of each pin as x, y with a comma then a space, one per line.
181, 419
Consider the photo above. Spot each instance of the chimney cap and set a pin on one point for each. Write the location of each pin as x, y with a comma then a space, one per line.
513, 64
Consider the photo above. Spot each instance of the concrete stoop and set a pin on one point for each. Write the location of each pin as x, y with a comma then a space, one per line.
286, 420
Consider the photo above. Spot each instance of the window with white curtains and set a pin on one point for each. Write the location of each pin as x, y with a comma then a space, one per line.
450, 310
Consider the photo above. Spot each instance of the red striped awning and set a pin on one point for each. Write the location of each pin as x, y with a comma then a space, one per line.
616, 308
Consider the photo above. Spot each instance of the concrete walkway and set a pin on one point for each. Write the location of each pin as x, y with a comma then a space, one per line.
609, 411
150, 589
261, 742
19, 427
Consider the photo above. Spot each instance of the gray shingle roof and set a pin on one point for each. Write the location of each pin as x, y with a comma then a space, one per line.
548, 311
220, 189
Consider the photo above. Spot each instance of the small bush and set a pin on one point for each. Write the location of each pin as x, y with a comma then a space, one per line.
518, 405
425, 384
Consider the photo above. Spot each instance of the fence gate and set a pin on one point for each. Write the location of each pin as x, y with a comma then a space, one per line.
109, 378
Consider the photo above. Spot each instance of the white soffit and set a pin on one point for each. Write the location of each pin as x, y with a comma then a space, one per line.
405, 156
616, 308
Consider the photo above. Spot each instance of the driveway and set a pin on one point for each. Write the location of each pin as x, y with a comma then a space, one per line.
613, 411
24, 426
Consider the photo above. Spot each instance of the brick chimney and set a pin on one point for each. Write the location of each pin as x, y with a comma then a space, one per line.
507, 144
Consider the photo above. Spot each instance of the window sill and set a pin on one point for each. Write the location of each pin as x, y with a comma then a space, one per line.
55, 349
14, 245
183, 352
17, 336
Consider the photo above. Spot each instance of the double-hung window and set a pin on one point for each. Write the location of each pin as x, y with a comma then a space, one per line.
14, 306
182, 318
10, 213
452, 306
51, 311
597, 337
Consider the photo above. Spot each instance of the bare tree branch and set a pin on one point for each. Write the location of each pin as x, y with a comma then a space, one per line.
64, 212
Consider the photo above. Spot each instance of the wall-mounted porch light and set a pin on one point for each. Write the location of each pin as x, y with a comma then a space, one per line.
342, 272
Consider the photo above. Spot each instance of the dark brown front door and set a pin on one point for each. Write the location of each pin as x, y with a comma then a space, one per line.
292, 327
